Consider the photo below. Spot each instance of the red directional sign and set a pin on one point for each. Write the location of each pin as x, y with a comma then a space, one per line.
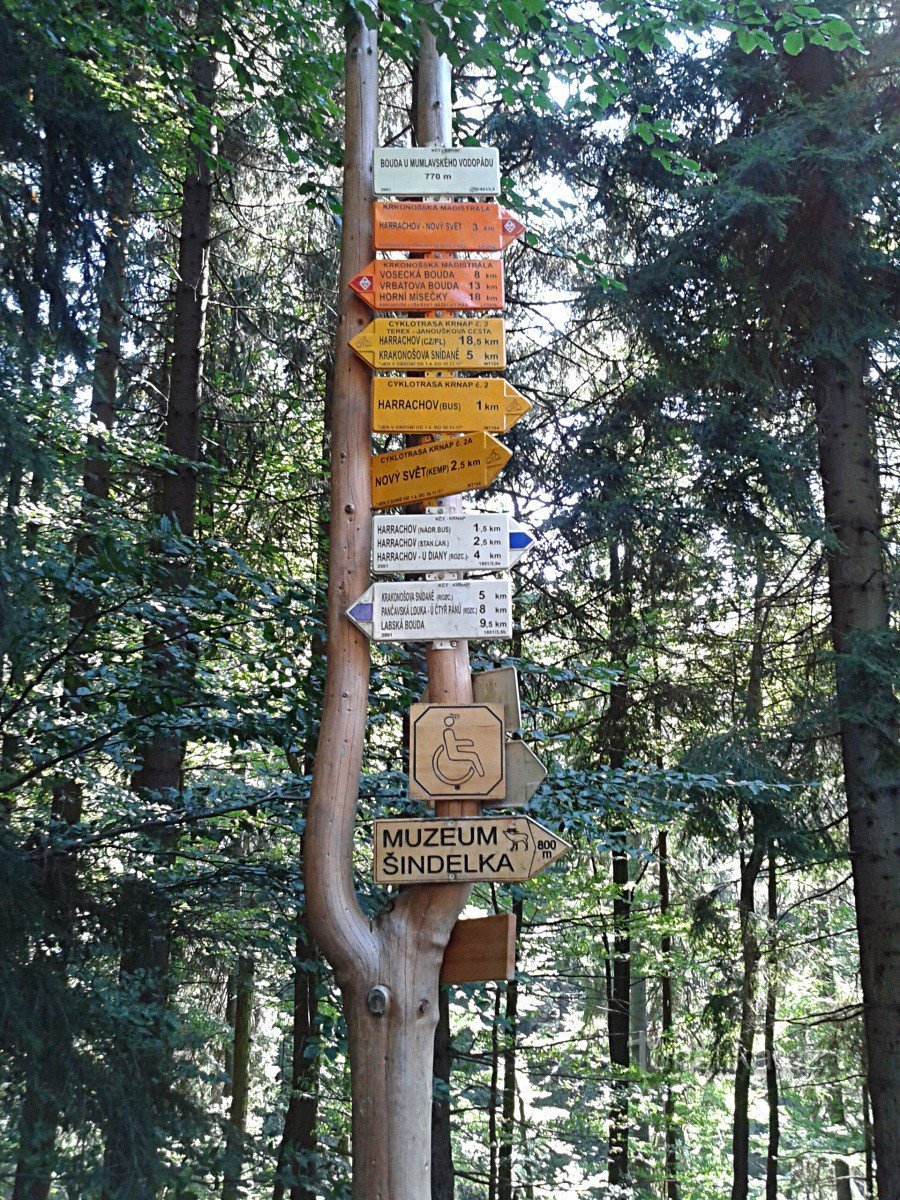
431, 284
423, 226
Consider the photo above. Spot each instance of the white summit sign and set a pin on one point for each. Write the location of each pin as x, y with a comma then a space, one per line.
433, 171
432, 610
421, 542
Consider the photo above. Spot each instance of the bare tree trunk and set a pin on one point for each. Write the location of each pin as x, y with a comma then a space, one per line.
131, 1166
619, 999
388, 968
851, 489
230, 1018
868, 1147
769, 1027
236, 1127
508, 1125
740, 1141
843, 1189
671, 1148
160, 770
493, 1093
296, 1153
751, 865
442, 1170
868, 736
298, 1142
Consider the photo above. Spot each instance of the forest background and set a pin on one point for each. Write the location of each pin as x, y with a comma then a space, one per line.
704, 309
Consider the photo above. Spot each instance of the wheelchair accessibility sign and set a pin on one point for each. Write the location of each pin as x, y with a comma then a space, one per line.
457, 751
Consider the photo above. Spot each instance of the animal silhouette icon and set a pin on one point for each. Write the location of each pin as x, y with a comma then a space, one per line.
517, 838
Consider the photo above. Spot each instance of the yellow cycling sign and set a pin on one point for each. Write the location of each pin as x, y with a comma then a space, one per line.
457, 751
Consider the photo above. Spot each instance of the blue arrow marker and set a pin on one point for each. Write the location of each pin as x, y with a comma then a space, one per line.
519, 539
361, 612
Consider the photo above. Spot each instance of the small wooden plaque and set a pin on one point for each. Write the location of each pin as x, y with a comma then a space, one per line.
456, 750
481, 949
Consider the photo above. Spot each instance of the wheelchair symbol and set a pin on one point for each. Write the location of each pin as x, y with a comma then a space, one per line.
455, 761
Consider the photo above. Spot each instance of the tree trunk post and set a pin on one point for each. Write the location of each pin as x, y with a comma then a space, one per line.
743, 1072
671, 1139
442, 1171
772, 1090
388, 968
505, 1190
236, 1127
621, 574
860, 618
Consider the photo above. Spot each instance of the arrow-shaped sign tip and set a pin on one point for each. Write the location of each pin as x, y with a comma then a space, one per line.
497, 455
364, 285
361, 612
516, 405
364, 343
510, 228
550, 846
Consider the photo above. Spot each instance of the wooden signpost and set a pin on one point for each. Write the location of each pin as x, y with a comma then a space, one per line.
436, 469
474, 849
524, 775
457, 750
433, 610
435, 171
481, 949
444, 404
413, 543
388, 966
433, 344
524, 770
421, 226
431, 284
500, 686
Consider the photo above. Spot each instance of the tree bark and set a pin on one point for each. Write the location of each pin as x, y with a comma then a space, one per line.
388, 967
493, 1093
619, 999
868, 1147
851, 490
852, 496
508, 1116
298, 1143
230, 1018
671, 1139
740, 1140
772, 1096
236, 1127
295, 1166
837, 1115
751, 865
442, 1171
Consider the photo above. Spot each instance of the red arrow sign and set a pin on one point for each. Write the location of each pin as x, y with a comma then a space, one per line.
423, 226
431, 284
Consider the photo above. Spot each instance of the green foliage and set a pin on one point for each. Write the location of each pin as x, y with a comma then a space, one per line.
671, 637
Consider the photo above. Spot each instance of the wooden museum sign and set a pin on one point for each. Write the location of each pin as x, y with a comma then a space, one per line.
463, 849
